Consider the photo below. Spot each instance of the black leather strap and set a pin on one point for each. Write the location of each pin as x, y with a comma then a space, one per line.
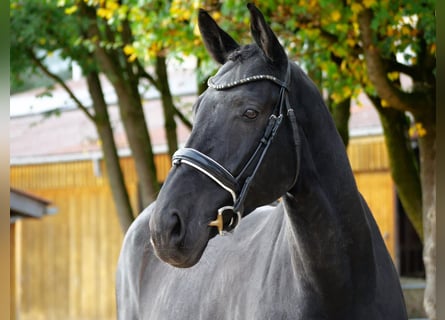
211, 166
239, 186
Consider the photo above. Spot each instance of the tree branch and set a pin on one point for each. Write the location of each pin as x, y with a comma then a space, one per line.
142, 73
394, 65
183, 118
108, 62
59, 80
377, 70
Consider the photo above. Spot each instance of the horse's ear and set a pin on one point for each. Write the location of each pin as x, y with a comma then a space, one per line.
264, 36
218, 43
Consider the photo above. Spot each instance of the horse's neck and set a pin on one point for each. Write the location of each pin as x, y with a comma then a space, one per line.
329, 230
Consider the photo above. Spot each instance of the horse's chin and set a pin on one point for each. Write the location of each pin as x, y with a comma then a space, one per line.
185, 256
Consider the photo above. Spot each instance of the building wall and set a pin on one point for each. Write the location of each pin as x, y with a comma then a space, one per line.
12, 275
65, 263
370, 163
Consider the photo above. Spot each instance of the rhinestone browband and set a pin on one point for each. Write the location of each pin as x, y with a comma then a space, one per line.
245, 80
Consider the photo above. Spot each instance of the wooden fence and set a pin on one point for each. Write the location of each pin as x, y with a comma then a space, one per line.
64, 264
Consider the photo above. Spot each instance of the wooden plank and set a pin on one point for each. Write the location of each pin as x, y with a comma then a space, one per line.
12, 272
103, 267
77, 174
368, 153
70, 260
75, 256
18, 239
378, 190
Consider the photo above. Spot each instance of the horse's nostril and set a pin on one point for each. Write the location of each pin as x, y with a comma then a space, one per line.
176, 228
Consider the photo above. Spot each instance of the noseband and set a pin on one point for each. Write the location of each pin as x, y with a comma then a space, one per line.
238, 188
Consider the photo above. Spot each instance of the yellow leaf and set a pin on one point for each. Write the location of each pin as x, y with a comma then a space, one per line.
433, 48
406, 31
393, 76
132, 57
313, 4
420, 129
154, 49
356, 28
71, 10
129, 49
384, 103
389, 31
356, 7
112, 5
335, 97
216, 15
335, 15
346, 92
180, 10
417, 130
105, 13
368, 3
351, 42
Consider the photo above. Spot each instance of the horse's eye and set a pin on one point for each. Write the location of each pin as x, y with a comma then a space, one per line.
250, 114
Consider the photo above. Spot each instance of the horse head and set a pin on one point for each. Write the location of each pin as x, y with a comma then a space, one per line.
242, 151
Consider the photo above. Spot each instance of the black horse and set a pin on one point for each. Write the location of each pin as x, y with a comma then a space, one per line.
261, 132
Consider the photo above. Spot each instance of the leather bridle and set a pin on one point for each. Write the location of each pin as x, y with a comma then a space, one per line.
234, 185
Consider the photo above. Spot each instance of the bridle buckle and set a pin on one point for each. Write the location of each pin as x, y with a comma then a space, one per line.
219, 221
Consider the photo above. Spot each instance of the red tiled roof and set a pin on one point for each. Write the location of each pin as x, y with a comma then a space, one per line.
72, 134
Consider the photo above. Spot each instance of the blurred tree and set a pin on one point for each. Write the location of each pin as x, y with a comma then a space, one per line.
326, 35
107, 42
370, 45
411, 33
353, 46
350, 47
35, 33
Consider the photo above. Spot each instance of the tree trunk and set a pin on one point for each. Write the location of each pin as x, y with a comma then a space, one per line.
102, 123
341, 113
421, 103
402, 162
119, 71
111, 158
427, 149
167, 104
133, 119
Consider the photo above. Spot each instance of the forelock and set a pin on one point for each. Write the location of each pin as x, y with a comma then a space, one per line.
243, 53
